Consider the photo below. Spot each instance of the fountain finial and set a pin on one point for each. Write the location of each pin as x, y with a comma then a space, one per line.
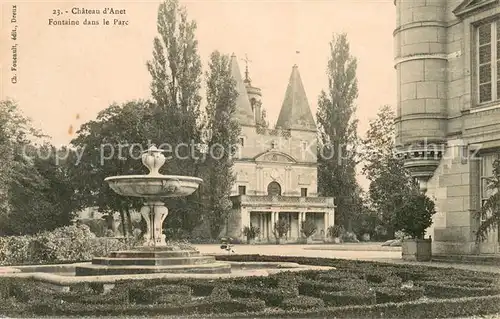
153, 159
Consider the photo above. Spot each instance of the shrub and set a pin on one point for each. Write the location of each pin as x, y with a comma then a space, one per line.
159, 294
302, 302
220, 293
389, 294
444, 290
96, 226
48, 308
66, 244
415, 215
115, 297
281, 228
337, 275
308, 228
350, 237
15, 250
271, 296
335, 231
251, 232
315, 288
351, 297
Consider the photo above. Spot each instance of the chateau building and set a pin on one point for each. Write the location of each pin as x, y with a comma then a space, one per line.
447, 57
276, 169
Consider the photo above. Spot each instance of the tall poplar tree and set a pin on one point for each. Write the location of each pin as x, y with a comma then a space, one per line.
176, 82
338, 132
175, 87
224, 131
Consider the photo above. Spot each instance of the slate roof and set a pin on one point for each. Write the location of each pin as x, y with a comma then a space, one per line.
295, 112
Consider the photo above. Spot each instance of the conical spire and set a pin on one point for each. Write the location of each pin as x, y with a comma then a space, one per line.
295, 112
244, 113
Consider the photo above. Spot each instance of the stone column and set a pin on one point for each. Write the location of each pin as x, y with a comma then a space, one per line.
299, 227
274, 219
262, 225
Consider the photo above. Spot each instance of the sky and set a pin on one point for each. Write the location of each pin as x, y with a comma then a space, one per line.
67, 74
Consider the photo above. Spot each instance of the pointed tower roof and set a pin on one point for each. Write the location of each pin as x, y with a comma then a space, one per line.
244, 113
295, 112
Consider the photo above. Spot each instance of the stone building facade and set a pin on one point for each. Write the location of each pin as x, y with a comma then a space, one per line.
276, 169
447, 57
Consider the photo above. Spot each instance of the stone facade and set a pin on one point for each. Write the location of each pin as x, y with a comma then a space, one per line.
276, 169
447, 58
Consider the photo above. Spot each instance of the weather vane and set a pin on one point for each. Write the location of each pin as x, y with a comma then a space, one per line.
247, 77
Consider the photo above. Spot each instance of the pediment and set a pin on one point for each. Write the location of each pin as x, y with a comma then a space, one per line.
469, 7
278, 157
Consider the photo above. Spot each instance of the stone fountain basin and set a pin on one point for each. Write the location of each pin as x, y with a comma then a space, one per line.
62, 277
154, 186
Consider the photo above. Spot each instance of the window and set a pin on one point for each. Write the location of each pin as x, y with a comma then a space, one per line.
274, 189
273, 144
303, 192
242, 141
487, 161
488, 62
242, 190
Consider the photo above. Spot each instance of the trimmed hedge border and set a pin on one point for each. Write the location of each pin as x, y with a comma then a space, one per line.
356, 289
445, 308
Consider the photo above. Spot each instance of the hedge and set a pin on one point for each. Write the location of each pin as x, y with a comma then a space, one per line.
301, 303
354, 289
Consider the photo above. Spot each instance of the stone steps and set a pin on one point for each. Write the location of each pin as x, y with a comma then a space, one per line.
159, 261
151, 260
100, 270
147, 253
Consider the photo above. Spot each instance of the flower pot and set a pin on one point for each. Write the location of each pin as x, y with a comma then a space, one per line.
336, 240
278, 241
309, 240
416, 249
251, 241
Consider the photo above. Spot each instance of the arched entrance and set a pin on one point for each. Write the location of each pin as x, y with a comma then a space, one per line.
274, 189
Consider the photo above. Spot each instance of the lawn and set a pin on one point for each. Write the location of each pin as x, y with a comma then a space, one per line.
355, 289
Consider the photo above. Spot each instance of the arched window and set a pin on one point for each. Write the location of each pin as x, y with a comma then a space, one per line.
274, 189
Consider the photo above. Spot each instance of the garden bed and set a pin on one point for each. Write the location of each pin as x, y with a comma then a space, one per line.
353, 289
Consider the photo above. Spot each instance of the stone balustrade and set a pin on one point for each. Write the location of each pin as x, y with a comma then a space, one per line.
283, 200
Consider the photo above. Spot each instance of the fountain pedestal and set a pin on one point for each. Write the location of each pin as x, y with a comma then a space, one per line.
154, 213
154, 256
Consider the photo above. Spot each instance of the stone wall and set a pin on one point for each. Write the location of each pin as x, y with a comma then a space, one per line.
455, 187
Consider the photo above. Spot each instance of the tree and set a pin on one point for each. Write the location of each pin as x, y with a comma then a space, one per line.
176, 81
15, 130
225, 129
490, 211
414, 215
337, 132
108, 146
41, 195
35, 192
389, 180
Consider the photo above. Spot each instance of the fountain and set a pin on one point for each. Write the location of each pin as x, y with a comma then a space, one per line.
154, 256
